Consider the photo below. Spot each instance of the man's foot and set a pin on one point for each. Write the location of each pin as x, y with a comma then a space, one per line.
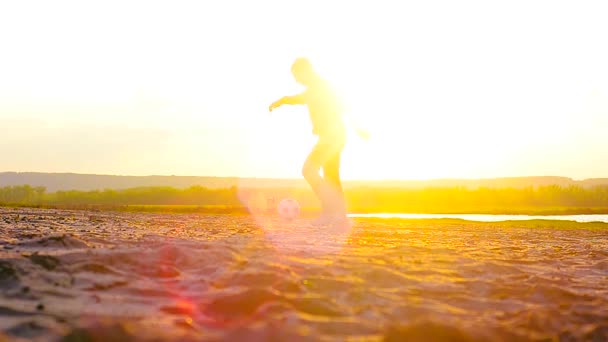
341, 221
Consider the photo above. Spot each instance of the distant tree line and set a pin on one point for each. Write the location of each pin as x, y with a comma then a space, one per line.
461, 199
360, 199
22, 194
195, 195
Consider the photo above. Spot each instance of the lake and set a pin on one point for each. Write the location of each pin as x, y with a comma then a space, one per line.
491, 218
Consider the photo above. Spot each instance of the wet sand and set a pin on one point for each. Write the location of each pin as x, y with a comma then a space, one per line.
105, 276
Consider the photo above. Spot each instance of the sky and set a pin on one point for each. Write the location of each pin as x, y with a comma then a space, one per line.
447, 89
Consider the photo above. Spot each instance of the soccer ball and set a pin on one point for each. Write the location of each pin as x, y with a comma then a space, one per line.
288, 209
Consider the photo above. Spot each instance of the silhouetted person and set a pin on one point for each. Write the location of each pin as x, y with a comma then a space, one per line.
326, 116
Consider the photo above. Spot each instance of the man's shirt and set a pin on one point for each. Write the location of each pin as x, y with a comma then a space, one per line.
325, 110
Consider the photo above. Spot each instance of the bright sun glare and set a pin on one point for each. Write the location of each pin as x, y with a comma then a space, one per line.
468, 89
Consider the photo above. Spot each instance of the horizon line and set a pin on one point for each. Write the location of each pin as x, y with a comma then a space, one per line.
297, 179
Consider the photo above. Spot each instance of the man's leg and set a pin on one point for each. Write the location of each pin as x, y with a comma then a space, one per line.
318, 157
331, 174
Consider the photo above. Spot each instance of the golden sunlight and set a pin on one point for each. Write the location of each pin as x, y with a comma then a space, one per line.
237, 170
458, 95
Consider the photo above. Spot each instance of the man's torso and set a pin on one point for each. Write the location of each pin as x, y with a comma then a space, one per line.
325, 110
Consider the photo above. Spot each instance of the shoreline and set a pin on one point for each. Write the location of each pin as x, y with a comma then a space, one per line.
241, 210
94, 215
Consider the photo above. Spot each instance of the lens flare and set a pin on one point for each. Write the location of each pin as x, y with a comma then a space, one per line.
296, 236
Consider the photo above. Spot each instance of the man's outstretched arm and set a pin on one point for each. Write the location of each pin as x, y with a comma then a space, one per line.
290, 100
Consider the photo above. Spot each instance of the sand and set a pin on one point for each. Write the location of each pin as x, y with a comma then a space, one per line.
101, 276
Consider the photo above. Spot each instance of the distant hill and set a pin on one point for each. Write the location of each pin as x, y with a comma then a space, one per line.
84, 182
74, 181
508, 182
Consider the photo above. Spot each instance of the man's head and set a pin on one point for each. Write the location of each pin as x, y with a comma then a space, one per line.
303, 71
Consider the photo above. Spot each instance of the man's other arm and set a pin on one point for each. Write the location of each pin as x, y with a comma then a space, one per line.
298, 99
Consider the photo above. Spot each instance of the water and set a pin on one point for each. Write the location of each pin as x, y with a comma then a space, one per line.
492, 218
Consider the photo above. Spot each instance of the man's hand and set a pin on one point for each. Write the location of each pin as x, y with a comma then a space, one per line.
275, 104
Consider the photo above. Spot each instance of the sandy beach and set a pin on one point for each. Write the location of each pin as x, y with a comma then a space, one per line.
101, 276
